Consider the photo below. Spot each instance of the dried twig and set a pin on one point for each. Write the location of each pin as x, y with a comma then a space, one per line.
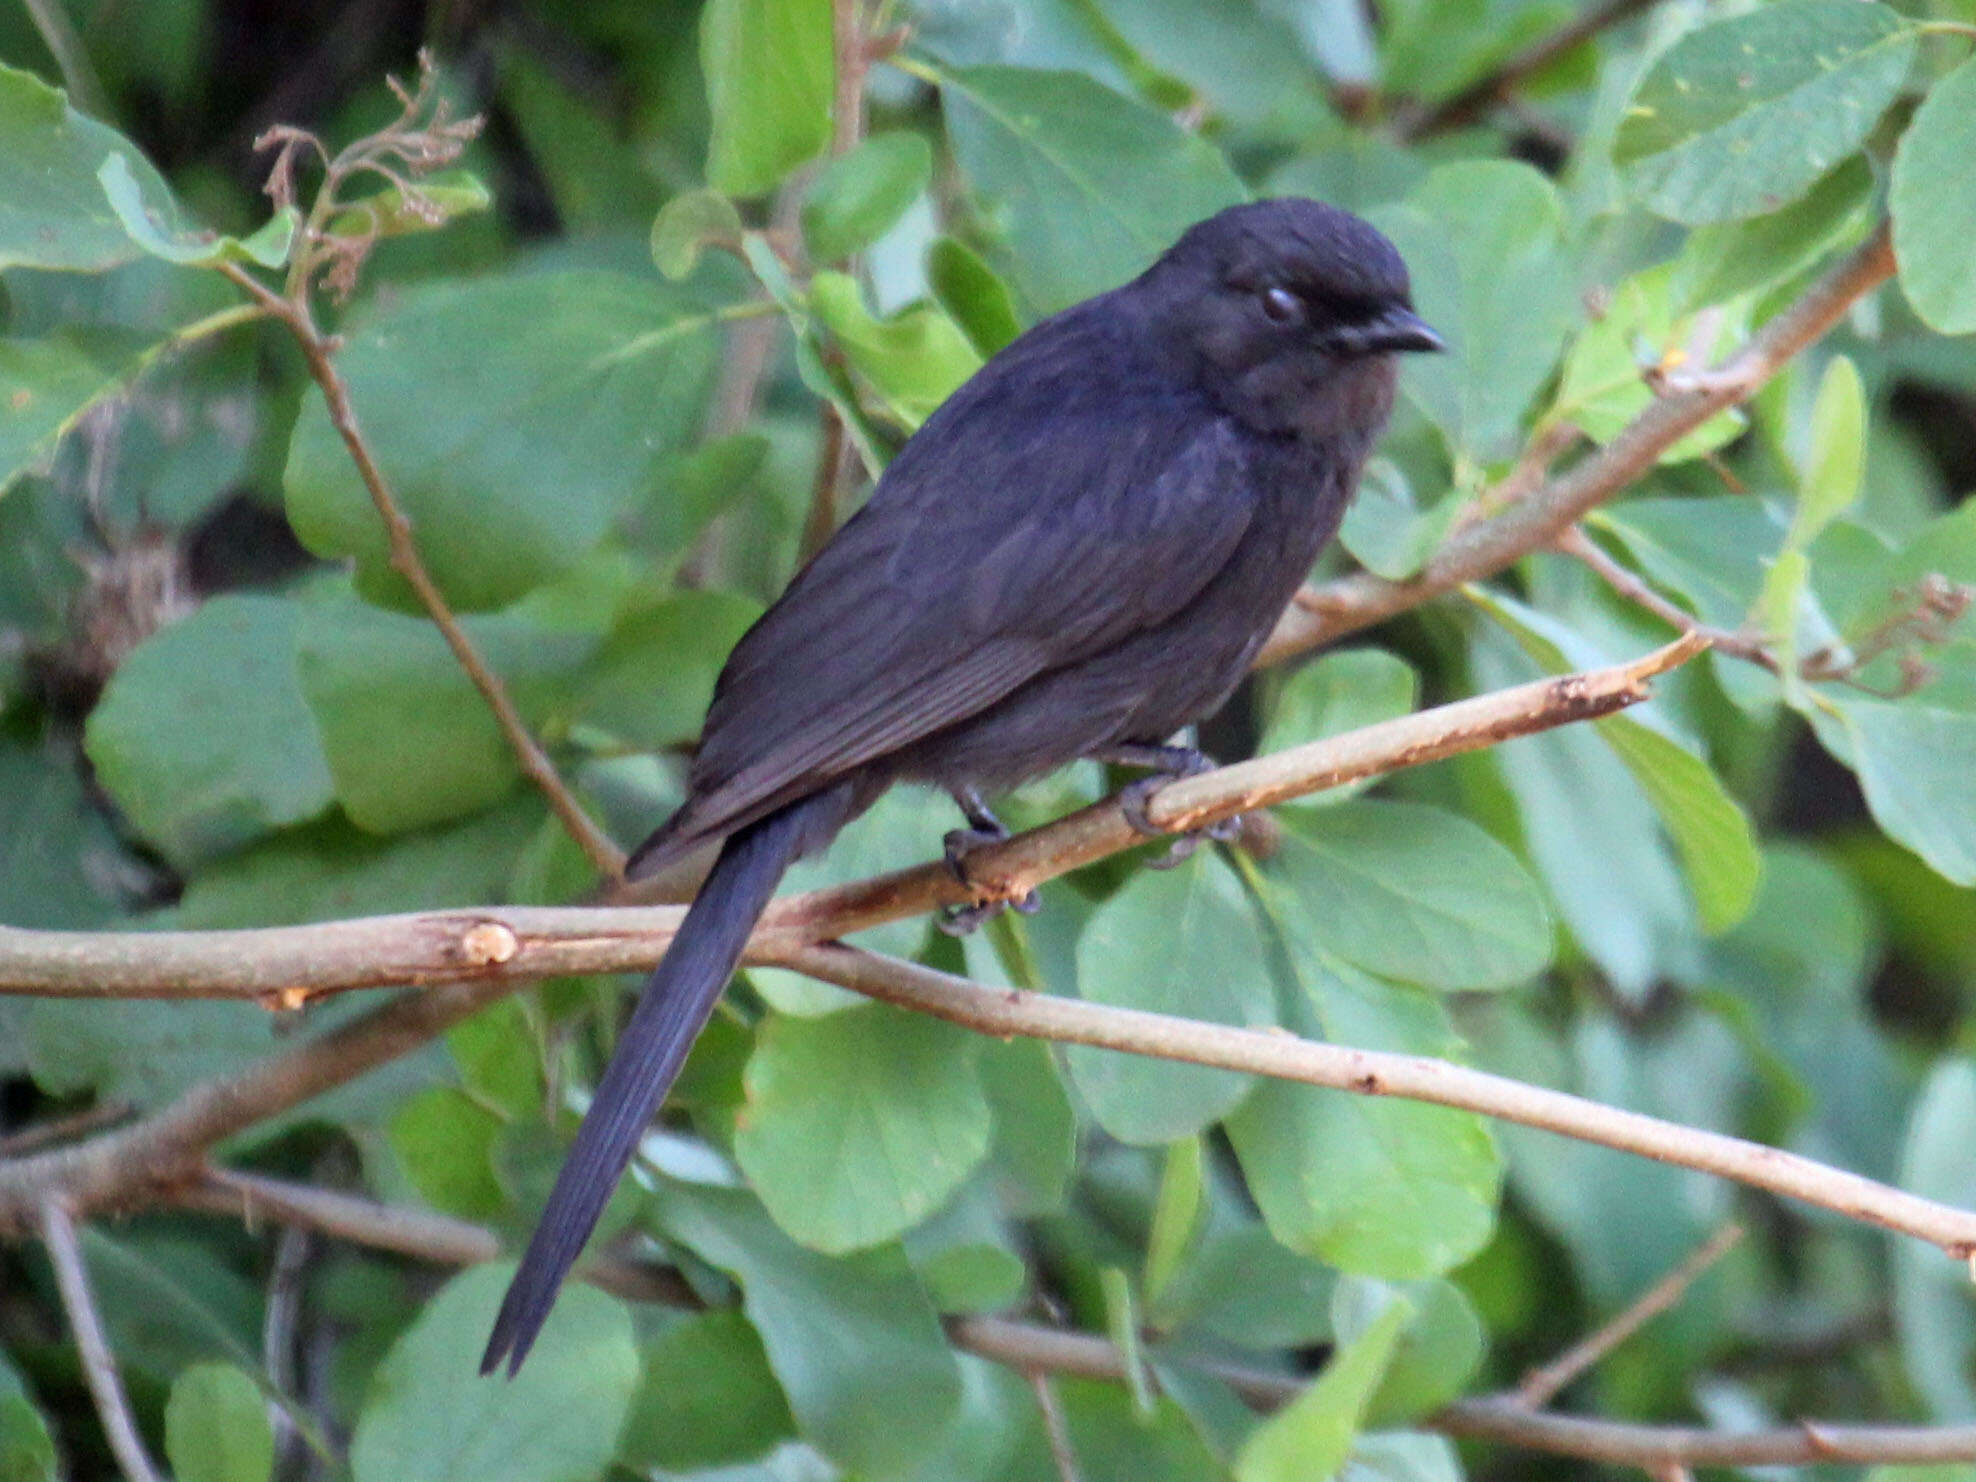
1032, 1348
1546, 1381
318, 351
1475, 100
99, 1365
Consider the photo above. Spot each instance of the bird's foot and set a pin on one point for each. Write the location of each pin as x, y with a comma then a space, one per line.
983, 829
1168, 763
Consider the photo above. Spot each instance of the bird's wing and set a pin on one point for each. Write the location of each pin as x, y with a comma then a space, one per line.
969, 572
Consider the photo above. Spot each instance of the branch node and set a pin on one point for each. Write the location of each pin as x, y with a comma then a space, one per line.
488, 944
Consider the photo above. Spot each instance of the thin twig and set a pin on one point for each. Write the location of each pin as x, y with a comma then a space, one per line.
1499, 1418
1575, 543
1475, 100
99, 1365
1546, 1381
1384, 1073
852, 58
1032, 1348
821, 521
64, 1129
411, 1232
1055, 1427
604, 855
1329, 610
72, 57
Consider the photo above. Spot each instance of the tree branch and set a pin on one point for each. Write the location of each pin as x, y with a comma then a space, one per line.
1032, 1348
1475, 100
1500, 1419
1329, 610
604, 855
1383, 1073
1545, 1382
164, 1151
99, 1365
284, 967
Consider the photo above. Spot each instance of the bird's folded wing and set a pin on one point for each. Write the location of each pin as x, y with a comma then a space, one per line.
887, 637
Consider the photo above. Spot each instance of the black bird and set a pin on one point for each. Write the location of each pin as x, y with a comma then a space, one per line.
1077, 555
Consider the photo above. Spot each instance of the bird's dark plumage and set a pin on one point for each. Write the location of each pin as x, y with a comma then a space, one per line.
1083, 548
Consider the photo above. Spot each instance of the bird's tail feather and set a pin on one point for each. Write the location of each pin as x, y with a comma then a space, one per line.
675, 1004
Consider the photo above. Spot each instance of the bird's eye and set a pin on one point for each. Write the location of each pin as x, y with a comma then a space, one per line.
1282, 305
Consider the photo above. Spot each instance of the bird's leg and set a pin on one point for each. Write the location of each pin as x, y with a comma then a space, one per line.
1164, 763
983, 828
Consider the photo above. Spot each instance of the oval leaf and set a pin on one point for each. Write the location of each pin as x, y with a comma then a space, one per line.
1741, 117
1415, 893
859, 1124
1171, 942
1933, 201
430, 1417
514, 419
216, 1427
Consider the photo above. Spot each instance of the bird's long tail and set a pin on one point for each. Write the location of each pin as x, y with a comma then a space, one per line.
675, 1004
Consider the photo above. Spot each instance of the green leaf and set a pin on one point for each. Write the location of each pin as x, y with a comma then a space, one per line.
707, 1398
513, 418
432, 203
1085, 187
1484, 243
429, 1417
1387, 530
654, 676
44, 386
1934, 1318
1414, 893
1837, 463
1722, 262
1173, 942
1373, 1186
1345, 689
1035, 1148
855, 1344
445, 1141
155, 225
409, 740
858, 1125
969, 290
1604, 385
687, 225
1914, 761
27, 1451
1309, 1438
53, 213
860, 196
216, 1427
1741, 117
1179, 1210
1933, 199
1244, 1287
914, 360
1718, 849
1439, 1350
770, 71
203, 736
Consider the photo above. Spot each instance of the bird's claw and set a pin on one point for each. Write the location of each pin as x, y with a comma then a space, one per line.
1133, 799
959, 921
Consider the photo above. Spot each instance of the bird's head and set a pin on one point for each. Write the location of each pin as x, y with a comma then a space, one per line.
1290, 312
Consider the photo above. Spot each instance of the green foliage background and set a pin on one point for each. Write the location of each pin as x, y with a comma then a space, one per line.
1747, 906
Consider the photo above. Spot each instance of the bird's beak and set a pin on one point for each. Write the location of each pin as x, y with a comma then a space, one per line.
1400, 329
